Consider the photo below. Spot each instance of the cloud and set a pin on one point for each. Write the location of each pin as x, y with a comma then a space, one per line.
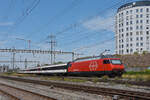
97, 49
6, 23
100, 23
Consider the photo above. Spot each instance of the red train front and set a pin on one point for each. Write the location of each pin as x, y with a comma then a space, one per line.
96, 66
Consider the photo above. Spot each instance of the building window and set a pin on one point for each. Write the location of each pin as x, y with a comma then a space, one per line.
131, 50
119, 25
119, 30
141, 15
127, 34
127, 39
137, 21
141, 49
137, 27
147, 15
147, 9
131, 28
147, 21
141, 10
130, 39
137, 10
141, 27
137, 38
127, 45
127, 29
141, 44
119, 46
127, 18
131, 17
131, 33
147, 27
130, 22
141, 33
141, 38
137, 33
137, 44
127, 50
127, 12
127, 23
147, 38
131, 44
141, 21
147, 32
131, 11
137, 16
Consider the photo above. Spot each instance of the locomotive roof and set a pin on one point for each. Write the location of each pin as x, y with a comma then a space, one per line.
95, 57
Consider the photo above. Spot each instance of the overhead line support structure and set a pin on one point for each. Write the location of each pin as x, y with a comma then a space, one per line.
14, 51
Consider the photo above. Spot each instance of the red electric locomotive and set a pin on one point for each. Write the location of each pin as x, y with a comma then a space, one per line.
96, 66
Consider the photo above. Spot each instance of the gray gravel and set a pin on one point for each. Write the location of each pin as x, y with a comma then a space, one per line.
106, 85
4, 97
60, 94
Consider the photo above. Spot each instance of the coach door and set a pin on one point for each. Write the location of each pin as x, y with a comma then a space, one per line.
106, 66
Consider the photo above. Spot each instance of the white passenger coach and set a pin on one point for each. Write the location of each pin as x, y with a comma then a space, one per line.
50, 69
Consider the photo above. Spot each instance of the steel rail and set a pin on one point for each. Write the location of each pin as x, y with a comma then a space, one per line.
44, 97
9, 95
90, 89
119, 81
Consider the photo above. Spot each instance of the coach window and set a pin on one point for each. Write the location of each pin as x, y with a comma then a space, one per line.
106, 62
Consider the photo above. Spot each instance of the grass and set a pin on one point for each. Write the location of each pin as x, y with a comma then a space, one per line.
57, 78
145, 72
138, 76
18, 75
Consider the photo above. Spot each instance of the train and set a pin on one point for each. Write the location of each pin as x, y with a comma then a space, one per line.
86, 66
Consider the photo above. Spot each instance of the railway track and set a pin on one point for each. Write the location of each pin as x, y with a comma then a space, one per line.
21, 94
9, 96
119, 81
132, 95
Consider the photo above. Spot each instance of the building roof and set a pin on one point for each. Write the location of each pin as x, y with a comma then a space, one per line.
135, 4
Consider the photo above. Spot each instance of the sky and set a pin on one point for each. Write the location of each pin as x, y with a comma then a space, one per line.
82, 26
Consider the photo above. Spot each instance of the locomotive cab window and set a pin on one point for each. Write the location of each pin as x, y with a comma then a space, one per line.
116, 62
106, 62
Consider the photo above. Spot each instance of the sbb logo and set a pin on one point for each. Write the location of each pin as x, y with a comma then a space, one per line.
93, 66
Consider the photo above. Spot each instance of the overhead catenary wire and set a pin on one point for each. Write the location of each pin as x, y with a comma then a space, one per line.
86, 36
82, 38
95, 44
9, 10
88, 18
79, 23
57, 16
26, 13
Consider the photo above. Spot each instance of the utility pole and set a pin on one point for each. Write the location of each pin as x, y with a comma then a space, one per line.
25, 63
13, 59
52, 46
28, 41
